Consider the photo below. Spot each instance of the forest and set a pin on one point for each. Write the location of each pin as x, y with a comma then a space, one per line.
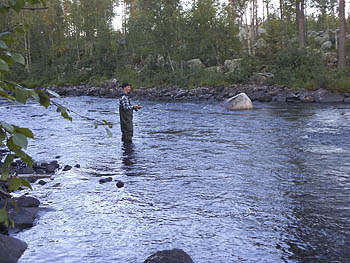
297, 43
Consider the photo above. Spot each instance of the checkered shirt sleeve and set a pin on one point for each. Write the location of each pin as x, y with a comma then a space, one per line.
125, 102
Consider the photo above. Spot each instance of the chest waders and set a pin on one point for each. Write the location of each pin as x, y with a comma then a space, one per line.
126, 125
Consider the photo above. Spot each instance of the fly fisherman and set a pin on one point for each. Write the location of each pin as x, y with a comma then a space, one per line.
126, 114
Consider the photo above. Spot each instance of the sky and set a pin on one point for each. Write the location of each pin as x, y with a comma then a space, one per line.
117, 22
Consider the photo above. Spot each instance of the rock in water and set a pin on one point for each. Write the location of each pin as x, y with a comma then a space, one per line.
239, 102
120, 184
169, 256
105, 180
11, 249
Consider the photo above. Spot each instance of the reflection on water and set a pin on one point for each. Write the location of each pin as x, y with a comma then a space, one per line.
267, 185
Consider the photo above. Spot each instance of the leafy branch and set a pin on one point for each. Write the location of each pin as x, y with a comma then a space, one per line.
13, 137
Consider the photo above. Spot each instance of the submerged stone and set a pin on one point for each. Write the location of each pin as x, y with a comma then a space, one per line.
105, 180
120, 184
169, 256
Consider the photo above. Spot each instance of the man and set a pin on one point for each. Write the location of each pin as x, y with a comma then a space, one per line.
126, 114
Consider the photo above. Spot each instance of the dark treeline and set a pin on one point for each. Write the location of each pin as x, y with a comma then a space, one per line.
297, 43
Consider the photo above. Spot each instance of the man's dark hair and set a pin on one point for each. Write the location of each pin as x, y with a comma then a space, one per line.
125, 84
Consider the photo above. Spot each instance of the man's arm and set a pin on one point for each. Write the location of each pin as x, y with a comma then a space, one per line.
125, 103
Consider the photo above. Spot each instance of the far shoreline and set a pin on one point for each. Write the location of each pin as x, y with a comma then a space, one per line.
256, 92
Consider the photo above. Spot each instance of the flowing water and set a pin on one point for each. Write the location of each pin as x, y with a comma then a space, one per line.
267, 185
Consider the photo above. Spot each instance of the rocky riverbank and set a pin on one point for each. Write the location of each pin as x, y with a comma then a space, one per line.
25, 211
256, 92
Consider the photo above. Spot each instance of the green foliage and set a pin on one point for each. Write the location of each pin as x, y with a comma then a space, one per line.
248, 66
158, 77
5, 217
11, 136
294, 66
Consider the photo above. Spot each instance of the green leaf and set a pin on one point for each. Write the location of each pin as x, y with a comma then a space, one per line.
66, 116
107, 123
20, 29
44, 100
4, 35
63, 112
25, 131
4, 218
7, 37
18, 58
19, 5
14, 204
109, 133
26, 184
4, 174
3, 45
12, 146
3, 9
4, 66
2, 135
7, 57
20, 140
21, 95
8, 127
8, 160
17, 182
60, 109
24, 157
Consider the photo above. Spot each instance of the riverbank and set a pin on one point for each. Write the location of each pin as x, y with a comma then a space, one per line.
256, 92
23, 211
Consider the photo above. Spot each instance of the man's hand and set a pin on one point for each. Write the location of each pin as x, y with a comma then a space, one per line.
137, 107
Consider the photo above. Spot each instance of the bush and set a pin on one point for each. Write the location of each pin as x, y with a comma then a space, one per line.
301, 68
189, 78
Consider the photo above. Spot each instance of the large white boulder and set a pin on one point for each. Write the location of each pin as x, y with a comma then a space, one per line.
233, 64
195, 63
239, 102
326, 45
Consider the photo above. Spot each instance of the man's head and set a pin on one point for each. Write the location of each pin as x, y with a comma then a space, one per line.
126, 87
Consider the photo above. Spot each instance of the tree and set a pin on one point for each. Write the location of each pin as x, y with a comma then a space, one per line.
342, 35
155, 28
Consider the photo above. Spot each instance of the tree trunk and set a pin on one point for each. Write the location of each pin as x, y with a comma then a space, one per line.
263, 12
342, 35
267, 9
247, 30
26, 52
282, 9
252, 26
284, 33
300, 13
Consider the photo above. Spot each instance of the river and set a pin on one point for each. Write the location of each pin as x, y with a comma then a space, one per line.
267, 185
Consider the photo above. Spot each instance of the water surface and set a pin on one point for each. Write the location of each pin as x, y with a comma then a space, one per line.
267, 185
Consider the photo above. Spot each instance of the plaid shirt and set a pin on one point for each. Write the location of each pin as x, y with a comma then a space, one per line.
125, 102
